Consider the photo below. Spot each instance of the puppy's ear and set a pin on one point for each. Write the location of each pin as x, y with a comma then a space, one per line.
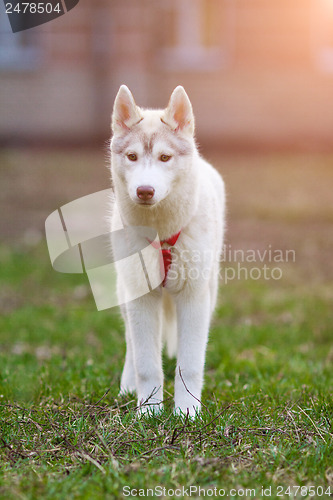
125, 112
179, 115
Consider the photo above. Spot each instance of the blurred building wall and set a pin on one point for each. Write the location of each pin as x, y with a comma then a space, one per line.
257, 71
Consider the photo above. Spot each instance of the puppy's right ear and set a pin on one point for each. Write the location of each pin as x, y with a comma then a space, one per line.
179, 115
125, 112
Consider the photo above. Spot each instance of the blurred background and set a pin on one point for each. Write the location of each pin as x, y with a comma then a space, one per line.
258, 72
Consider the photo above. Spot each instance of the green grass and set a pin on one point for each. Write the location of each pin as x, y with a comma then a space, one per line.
65, 433
267, 419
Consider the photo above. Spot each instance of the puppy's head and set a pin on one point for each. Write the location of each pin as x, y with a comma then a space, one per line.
151, 149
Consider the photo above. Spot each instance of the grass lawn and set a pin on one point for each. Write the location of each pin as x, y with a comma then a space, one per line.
267, 420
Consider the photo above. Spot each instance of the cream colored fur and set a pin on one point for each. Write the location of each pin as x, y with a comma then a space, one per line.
189, 196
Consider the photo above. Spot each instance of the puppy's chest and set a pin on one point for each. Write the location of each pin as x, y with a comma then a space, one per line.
187, 266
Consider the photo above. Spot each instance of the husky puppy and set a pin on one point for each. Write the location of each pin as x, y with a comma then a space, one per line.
162, 182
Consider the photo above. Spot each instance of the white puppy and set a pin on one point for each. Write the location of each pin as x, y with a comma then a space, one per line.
161, 181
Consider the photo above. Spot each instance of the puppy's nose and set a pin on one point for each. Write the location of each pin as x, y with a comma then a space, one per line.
145, 192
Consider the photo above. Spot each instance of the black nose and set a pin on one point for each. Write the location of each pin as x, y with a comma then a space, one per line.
145, 192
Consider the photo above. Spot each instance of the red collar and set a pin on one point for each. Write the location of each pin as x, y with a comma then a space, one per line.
172, 240
166, 259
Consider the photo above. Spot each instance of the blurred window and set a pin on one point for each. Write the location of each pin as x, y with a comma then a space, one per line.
196, 34
323, 34
18, 51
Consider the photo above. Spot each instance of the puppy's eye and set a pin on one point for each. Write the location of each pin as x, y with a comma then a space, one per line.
165, 157
132, 156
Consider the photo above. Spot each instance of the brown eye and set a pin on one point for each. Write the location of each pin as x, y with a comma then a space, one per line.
165, 157
132, 156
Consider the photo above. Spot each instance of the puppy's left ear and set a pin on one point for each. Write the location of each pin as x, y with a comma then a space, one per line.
179, 115
125, 112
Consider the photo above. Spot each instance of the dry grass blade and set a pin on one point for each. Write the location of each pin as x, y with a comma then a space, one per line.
187, 390
91, 460
313, 423
176, 434
159, 448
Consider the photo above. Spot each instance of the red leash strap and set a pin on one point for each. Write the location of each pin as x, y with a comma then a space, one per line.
166, 260
172, 240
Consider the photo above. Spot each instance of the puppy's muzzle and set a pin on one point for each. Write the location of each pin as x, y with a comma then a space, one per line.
145, 193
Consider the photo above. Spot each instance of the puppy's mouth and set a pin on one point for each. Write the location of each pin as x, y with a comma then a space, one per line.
147, 204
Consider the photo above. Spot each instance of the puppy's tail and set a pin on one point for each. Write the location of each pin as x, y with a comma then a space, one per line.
169, 332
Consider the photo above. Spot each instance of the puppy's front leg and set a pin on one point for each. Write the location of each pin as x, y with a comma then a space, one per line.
193, 314
144, 318
128, 379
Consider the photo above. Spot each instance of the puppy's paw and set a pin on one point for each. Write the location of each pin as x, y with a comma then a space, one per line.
184, 412
150, 409
127, 390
